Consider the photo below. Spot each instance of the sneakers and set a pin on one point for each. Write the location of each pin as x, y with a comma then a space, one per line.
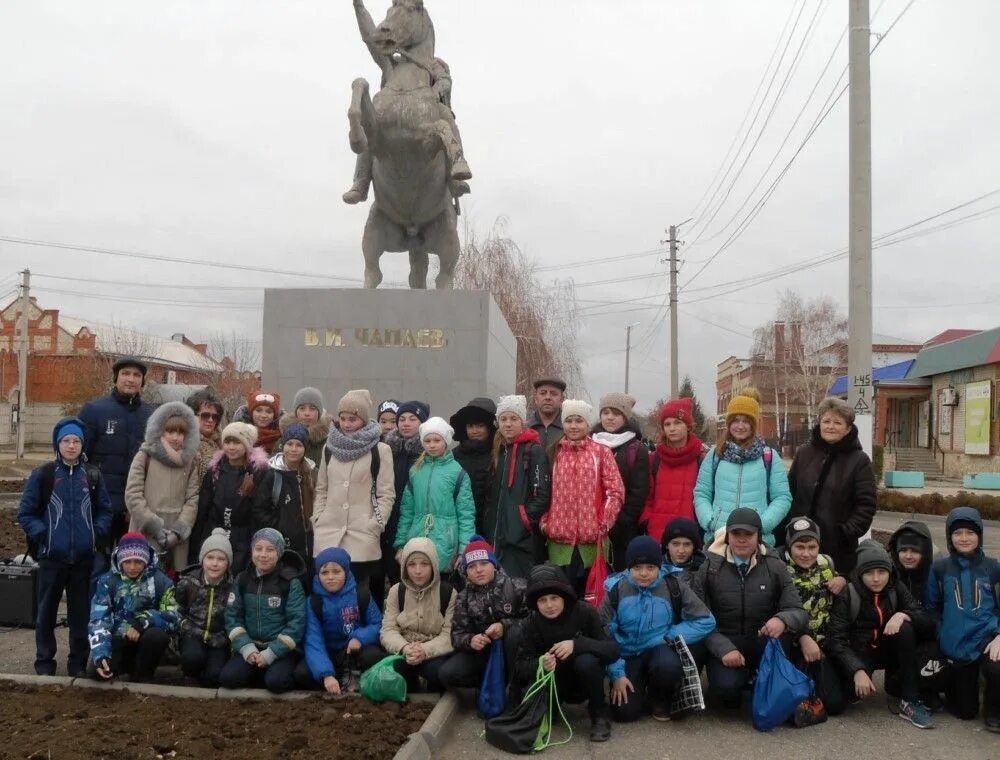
660, 712
992, 724
892, 703
916, 713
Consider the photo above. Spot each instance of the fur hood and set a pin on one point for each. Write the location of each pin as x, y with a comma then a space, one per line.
318, 431
257, 460
153, 443
277, 462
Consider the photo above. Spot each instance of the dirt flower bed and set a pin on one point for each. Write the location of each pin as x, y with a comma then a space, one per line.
11, 535
64, 723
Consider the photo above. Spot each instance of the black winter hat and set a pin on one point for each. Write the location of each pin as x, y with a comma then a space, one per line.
682, 527
910, 540
871, 555
128, 361
420, 409
548, 579
799, 528
744, 518
642, 550
482, 410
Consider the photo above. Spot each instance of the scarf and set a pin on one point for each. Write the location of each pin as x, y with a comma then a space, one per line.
411, 446
613, 440
816, 597
173, 457
678, 456
528, 435
738, 454
349, 447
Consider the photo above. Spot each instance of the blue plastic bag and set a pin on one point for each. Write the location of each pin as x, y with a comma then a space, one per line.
493, 690
779, 689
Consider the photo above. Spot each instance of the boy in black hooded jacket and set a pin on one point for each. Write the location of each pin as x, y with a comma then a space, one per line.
572, 640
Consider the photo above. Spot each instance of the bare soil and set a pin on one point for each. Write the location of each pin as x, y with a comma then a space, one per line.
11, 486
64, 723
11, 535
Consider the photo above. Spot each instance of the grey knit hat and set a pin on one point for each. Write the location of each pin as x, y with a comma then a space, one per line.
620, 402
308, 395
872, 555
218, 541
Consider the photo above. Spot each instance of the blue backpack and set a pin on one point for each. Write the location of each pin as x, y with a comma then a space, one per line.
493, 689
779, 688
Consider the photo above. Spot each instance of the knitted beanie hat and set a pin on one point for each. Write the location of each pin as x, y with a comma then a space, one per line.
421, 410
746, 403
297, 431
264, 398
801, 528
515, 405
357, 402
217, 542
575, 407
308, 395
133, 546
242, 432
910, 540
643, 550
72, 427
682, 527
336, 555
389, 405
270, 535
620, 402
679, 409
871, 555
478, 549
437, 426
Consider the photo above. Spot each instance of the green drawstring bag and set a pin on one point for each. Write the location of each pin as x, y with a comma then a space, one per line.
382, 683
528, 727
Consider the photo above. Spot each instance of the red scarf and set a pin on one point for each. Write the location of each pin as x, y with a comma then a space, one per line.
529, 435
680, 455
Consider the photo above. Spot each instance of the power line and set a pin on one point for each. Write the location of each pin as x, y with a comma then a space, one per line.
127, 299
602, 260
163, 285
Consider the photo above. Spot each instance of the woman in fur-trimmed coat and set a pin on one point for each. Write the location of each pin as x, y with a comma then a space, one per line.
161, 493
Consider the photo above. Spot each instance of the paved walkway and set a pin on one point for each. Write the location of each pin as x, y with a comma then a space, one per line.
891, 520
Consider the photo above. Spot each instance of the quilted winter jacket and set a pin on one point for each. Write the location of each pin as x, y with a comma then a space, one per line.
429, 507
201, 607
741, 485
585, 483
479, 607
341, 622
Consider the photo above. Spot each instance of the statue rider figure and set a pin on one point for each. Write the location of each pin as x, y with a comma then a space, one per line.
440, 82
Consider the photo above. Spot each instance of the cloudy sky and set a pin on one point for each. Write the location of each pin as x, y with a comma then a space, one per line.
216, 131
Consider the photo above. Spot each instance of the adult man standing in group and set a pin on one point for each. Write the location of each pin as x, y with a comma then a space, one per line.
116, 424
550, 392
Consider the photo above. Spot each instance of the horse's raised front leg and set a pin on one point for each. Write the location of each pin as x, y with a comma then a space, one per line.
361, 117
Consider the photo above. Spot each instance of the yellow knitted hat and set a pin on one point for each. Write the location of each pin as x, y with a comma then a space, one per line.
746, 403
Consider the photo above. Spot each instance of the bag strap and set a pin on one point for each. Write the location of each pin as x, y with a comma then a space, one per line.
444, 596
317, 607
462, 475
276, 488
674, 587
547, 680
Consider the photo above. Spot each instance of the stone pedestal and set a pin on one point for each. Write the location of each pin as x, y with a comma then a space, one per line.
440, 346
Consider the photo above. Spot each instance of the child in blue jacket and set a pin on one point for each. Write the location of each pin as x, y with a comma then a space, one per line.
65, 512
342, 624
961, 592
641, 611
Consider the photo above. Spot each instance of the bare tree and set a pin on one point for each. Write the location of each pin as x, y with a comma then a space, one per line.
240, 357
541, 315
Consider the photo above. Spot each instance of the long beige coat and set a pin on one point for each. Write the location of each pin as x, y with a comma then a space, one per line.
343, 515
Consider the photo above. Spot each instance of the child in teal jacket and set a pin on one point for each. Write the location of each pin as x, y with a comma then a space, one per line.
437, 503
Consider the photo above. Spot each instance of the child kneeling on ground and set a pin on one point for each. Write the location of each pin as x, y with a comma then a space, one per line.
817, 582
266, 617
132, 614
682, 548
873, 627
644, 610
572, 641
342, 625
488, 609
202, 594
961, 590
418, 616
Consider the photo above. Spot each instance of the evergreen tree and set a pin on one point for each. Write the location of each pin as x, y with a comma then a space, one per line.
687, 391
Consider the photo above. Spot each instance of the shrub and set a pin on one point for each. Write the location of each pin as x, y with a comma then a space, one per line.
936, 504
878, 462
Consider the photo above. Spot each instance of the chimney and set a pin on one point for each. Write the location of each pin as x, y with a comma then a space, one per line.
178, 338
796, 347
779, 342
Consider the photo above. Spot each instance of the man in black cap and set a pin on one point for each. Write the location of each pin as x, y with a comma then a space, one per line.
550, 392
475, 425
752, 596
116, 424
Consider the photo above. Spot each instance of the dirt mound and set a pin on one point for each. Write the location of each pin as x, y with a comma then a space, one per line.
11, 535
71, 724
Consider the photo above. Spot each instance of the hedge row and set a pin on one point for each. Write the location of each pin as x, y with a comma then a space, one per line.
936, 504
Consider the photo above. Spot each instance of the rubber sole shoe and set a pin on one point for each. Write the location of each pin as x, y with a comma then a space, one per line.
992, 725
600, 730
661, 713
916, 713
893, 704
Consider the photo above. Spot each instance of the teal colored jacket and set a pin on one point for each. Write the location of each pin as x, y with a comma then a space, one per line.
432, 507
741, 485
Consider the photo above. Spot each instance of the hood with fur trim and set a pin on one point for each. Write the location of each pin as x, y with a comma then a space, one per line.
258, 460
318, 431
153, 441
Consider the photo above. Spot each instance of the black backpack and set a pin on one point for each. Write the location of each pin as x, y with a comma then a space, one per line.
444, 590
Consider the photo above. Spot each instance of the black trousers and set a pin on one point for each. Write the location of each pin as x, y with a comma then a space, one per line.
727, 684
962, 690
655, 674
138, 659
830, 685
466, 669
54, 578
277, 678
200, 661
897, 655
373, 574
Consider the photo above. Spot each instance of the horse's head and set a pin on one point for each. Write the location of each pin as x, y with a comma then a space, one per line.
406, 26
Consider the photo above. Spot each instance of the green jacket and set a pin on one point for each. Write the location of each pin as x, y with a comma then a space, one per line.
438, 504
267, 613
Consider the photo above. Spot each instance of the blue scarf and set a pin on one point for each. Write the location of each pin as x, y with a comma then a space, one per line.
740, 454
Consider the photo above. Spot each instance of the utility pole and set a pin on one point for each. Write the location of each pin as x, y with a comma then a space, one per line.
674, 375
628, 350
859, 313
22, 362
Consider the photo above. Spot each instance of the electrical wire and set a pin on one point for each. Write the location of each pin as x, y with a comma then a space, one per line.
127, 299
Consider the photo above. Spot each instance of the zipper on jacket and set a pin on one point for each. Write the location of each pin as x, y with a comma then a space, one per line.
260, 590
743, 599
208, 615
881, 623
739, 486
500, 491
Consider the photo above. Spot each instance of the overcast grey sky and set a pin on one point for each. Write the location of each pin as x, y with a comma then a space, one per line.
217, 130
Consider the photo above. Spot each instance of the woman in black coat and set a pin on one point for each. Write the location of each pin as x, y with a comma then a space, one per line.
475, 426
832, 482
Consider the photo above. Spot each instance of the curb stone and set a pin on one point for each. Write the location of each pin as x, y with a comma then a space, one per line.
423, 744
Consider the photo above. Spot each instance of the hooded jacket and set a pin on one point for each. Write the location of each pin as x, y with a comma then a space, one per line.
430, 507
318, 432
742, 605
69, 525
420, 621
632, 459
642, 617
520, 496
201, 606
962, 594
115, 425
833, 484
721, 489
476, 457
120, 603
341, 621
267, 613
672, 481
479, 607
915, 580
161, 494
286, 514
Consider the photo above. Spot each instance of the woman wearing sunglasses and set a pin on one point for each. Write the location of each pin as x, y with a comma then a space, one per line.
208, 409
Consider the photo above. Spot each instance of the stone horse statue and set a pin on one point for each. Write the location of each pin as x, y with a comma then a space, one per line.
408, 145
